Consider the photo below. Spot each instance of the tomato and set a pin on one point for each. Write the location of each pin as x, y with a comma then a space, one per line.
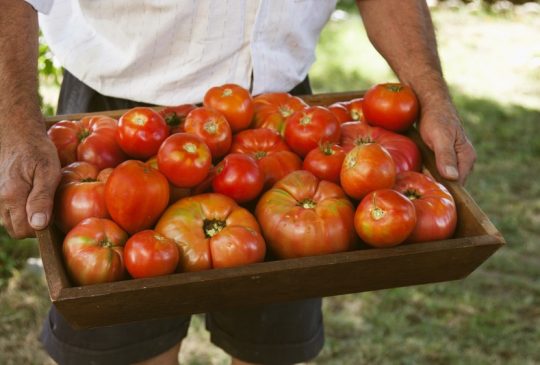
175, 193
306, 129
238, 176
341, 112
356, 111
325, 162
93, 252
212, 231
234, 102
384, 218
175, 116
212, 127
435, 206
185, 159
367, 167
136, 195
141, 131
271, 110
273, 156
92, 139
304, 216
148, 254
80, 195
104, 174
391, 106
403, 150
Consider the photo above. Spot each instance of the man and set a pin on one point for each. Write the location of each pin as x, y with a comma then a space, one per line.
169, 52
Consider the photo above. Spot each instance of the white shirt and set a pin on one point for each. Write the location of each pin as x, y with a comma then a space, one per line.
170, 52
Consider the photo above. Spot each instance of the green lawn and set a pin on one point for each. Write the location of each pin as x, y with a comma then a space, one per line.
492, 62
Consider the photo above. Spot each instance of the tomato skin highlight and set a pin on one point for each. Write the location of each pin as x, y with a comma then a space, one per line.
148, 254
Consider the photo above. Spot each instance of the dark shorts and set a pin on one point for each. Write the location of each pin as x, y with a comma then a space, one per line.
273, 334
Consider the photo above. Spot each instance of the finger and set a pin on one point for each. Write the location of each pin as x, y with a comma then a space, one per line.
446, 159
13, 197
466, 159
6, 221
19, 222
40, 200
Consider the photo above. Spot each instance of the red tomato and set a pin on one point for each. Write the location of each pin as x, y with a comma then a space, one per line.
212, 127
366, 168
92, 139
325, 162
141, 131
273, 109
306, 129
234, 102
93, 252
391, 106
104, 174
356, 111
384, 218
341, 112
136, 195
175, 193
212, 231
403, 150
303, 216
185, 159
175, 116
238, 176
80, 195
435, 207
272, 153
148, 254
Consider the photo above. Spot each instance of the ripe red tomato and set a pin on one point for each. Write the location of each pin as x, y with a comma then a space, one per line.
93, 252
341, 112
403, 150
273, 109
234, 102
304, 216
384, 218
136, 195
238, 176
325, 162
141, 131
212, 231
212, 127
273, 156
92, 139
307, 128
435, 206
175, 116
185, 159
175, 193
366, 168
356, 111
391, 106
148, 254
80, 195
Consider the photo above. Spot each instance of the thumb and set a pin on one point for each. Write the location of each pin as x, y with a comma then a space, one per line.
40, 200
446, 159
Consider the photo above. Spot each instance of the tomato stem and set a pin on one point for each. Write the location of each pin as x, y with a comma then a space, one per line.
211, 126
212, 227
306, 119
84, 133
173, 120
190, 147
307, 204
260, 154
227, 92
106, 243
394, 87
285, 111
412, 194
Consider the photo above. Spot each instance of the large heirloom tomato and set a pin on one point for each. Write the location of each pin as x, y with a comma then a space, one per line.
391, 106
234, 102
435, 207
403, 150
304, 216
141, 131
80, 195
212, 231
92, 139
274, 157
273, 109
175, 116
136, 195
147, 254
212, 127
93, 251
307, 128
238, 176
325, 162
384, 218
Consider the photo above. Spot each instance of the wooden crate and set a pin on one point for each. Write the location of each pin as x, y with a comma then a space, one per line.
363, 270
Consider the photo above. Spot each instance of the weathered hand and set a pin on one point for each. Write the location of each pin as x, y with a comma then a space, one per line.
30, 172
441, 130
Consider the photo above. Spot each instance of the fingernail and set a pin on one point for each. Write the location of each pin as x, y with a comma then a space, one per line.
38, 220
451, 172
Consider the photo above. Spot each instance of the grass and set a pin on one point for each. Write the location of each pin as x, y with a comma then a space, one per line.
492, 62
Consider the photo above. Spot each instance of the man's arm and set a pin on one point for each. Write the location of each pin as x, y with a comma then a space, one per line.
28, 161
402, 32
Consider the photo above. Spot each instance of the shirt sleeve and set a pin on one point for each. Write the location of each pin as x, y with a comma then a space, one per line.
42, 6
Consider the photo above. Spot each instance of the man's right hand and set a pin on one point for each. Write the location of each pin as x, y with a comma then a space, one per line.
30, 172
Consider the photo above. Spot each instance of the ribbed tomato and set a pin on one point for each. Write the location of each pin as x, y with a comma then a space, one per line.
273, 109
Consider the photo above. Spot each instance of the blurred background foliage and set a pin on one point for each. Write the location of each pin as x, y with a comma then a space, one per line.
491, 59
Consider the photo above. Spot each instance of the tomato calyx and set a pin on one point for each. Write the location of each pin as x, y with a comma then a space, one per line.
260, 154
326, 148
212, 227
88, 179
377, 213
412, 194
106, 243
395, 88
363, 140
307, 204
285, 111
84, 133
190, 147
306, 119
140, 119
211, 126
173, 120
227, 92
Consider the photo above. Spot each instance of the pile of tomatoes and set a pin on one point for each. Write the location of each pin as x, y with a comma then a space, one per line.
239, 180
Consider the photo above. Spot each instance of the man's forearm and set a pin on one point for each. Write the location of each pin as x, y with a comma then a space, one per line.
402, 32
19, 36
